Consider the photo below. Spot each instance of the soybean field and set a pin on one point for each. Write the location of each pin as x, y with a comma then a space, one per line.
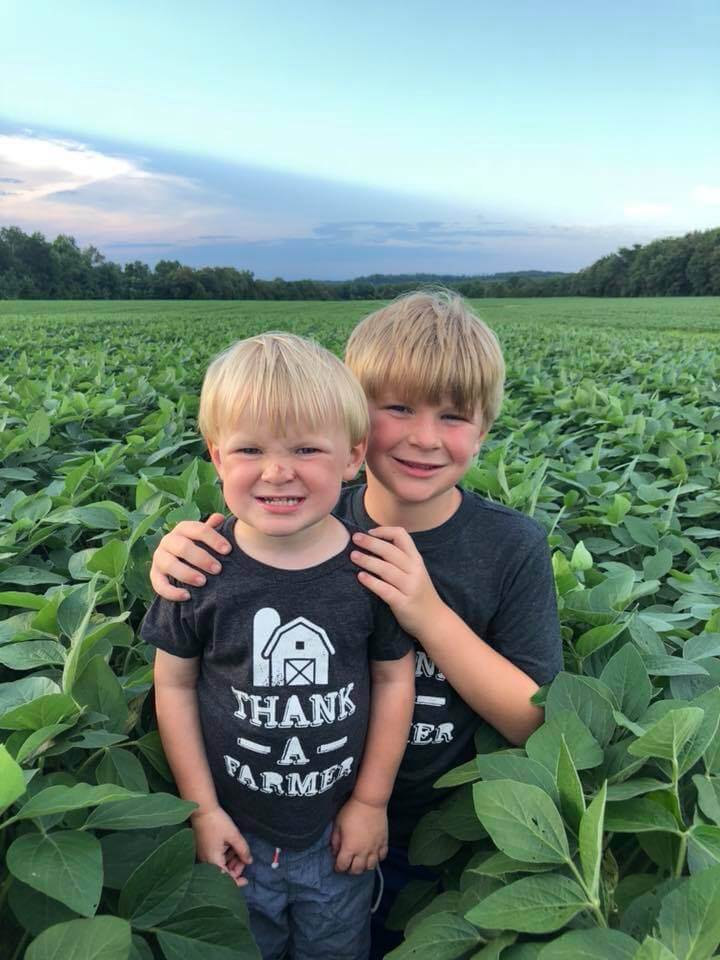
600, 838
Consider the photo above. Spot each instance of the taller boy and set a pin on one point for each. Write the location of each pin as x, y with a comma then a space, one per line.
470, 579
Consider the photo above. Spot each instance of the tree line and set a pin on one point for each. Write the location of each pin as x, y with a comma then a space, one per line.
34, 268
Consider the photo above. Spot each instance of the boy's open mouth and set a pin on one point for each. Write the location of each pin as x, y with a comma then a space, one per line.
414, 465
281, 501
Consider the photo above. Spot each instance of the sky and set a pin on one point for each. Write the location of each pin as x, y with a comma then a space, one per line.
331, 140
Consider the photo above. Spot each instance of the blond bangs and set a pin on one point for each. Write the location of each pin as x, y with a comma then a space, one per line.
431, 347
282, 381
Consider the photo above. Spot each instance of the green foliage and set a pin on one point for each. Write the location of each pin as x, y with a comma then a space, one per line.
601, 837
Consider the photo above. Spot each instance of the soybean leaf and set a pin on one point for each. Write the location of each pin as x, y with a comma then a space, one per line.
544, 745
66, 865
703, 849
209, 887
597, 944
626, 676
12, 781
412, 898
499, 864
590, 841
122, 767
442, 935
639, 816
157, 887
101, 938
41, 712
598, 637
429, 844
465, 773
99, 689
652, 949
522, 821
507, 766
34, 910
30, 654
706, 733
590, 699
60, 799
458, 818
531, 905
213, 933
496, 947
708, 789
666, 737
110, 559
572, 801
142, 813
689, 919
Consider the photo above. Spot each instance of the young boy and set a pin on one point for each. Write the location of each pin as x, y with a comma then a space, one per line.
285, 674
470, 579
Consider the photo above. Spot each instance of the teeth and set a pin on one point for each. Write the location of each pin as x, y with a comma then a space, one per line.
284, 500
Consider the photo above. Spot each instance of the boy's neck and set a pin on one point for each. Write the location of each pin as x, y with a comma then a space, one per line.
387, 511
299, 551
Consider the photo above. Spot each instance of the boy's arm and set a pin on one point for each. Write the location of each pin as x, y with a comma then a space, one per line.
359, 838
486, 680
176, 704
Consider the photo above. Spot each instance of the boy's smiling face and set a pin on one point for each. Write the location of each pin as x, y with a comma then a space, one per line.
419, 451
283, 486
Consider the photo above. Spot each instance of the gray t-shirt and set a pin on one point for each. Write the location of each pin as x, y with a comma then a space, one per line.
491, 565
283, 688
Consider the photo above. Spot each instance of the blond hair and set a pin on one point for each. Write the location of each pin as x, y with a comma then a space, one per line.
429, 345
280, 379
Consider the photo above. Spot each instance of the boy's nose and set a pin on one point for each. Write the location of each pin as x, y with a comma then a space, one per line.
277, 472
424, 434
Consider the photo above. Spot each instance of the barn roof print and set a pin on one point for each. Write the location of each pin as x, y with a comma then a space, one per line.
293, 624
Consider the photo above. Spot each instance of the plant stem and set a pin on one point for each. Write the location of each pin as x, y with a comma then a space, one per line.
96, 753
593, 903
680, 862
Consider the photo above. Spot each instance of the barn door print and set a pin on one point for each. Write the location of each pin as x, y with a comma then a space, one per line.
294, 654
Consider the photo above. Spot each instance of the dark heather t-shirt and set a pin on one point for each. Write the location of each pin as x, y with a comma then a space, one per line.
491, 565
283, 687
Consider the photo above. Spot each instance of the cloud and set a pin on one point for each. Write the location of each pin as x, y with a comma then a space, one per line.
10, 180
647, 211
706, 196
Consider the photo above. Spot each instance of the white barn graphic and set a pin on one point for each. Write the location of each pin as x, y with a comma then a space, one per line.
293, 654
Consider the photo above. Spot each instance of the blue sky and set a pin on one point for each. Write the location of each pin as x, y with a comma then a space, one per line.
326, 139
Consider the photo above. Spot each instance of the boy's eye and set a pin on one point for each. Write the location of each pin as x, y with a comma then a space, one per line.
248, 451
307, 450
398, 407
454, 416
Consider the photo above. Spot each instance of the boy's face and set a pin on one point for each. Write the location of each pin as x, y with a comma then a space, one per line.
418, 452
283, 485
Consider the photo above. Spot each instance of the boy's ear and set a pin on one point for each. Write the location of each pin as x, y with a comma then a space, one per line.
355, 460
479, 443
214, 452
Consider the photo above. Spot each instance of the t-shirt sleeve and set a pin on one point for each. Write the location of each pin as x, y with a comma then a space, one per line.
171, 627
525, 629
389, 641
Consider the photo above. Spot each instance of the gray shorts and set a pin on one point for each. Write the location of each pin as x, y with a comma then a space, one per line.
303, 909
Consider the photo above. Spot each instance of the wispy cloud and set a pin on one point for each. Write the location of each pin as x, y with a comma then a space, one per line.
149, 205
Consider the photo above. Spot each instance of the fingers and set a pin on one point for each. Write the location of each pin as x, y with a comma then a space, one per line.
343, 861
386, 591
238, 845
397, 535
388, 572
384, 549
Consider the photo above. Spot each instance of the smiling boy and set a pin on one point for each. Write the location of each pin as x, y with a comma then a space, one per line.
284, 689
468, 578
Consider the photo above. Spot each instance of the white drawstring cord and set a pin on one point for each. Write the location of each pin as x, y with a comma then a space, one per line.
379, 897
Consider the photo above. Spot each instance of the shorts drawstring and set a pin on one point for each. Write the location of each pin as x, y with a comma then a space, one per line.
276, 859
379, 897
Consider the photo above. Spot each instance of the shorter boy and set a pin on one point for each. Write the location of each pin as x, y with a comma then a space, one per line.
284, 691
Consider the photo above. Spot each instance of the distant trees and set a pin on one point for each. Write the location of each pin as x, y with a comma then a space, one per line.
32, 267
